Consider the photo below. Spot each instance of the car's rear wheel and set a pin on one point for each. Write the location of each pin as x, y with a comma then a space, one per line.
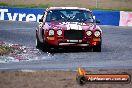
97, 48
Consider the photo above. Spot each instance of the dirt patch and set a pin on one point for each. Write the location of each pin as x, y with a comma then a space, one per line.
53, 79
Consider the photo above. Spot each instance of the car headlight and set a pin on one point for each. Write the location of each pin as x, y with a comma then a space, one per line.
59, 32
97, 33
89, 33
51, 32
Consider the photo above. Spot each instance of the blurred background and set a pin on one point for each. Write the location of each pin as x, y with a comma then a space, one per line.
92, 4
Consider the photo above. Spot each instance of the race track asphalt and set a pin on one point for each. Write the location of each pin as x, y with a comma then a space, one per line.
116, 50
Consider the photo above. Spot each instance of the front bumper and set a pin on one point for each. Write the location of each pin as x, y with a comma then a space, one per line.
72, 38
88, 42
72, 44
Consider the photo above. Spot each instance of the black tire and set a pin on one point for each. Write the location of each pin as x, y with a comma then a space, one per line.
45, 47
88, 49
42, 46
97, 48
81, 80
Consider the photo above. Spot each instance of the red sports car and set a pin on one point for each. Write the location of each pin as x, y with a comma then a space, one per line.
69, 27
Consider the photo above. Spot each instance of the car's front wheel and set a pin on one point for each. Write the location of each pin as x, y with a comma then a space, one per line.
41, 46
38, 43
97, 48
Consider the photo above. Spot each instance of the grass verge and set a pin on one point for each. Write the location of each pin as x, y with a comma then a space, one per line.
26, 6
49, 5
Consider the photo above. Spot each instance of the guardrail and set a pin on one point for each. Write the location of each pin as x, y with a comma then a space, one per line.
117, 18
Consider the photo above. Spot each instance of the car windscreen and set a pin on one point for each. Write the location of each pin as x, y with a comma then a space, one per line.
69, 15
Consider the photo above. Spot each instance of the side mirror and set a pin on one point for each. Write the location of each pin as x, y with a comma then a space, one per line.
40, 20
97, 21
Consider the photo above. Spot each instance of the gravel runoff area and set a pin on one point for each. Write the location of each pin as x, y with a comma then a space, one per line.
53, 79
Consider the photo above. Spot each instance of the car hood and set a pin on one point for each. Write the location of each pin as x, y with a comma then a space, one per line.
71, 25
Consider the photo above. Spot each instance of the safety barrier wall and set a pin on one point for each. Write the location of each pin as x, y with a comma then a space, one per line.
21, 14
34, 14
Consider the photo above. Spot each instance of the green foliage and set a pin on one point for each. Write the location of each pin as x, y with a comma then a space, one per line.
5, 50
25, 6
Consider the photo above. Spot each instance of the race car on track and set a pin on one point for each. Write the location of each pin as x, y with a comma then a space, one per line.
68, 27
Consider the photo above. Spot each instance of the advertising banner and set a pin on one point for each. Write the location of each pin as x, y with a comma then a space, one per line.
34, 14
107, 17
125, 18
21, 14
